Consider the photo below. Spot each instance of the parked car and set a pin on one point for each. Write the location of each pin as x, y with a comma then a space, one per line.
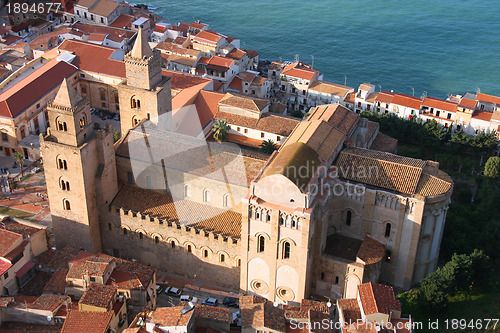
110, 115
230, 301
117, 117
187, 298
92, 110
160, 288
210, 301
172, 291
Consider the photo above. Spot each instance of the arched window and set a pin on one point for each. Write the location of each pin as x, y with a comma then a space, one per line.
189, 248
135, 120
61, 164
222, 257
348, 218
141, 235
157, 239
387, 230
138, 104
206, 196
238, 262
261, 244
268, 217
172, 243
286, 250
66, 204
23, 132
133, 102
294, 223
225, 200
205, 253
257, 215
336, 280
64, 185
186, 191
83, 122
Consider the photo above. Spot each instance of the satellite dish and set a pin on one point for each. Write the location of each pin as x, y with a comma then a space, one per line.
329, 304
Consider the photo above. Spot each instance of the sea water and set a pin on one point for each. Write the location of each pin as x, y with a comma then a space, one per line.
433, 47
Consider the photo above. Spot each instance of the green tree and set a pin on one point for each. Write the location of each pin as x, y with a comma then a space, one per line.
492, 167
116, 136
20, 158
221, 130
267, 146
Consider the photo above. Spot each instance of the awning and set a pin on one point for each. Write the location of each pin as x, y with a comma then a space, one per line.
25, 269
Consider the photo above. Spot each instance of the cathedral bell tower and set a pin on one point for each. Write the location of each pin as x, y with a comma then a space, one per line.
145, 94
80, 170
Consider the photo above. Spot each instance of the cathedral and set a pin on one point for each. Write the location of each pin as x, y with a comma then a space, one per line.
326, 212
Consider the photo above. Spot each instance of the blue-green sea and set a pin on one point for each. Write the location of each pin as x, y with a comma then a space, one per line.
434, 46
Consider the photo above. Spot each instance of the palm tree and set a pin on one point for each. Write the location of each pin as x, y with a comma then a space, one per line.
221, 130
268, 146
19, 157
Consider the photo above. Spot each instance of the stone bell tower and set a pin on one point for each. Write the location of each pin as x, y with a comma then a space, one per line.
80, 170
145, 94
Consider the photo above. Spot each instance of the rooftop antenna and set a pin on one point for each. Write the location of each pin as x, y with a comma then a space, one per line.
297, 57
413, 91
478, 90
312, 66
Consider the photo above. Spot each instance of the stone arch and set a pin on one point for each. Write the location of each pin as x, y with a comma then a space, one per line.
351, 285
22, 131
186, 243
61, 163
156, 236
237, 261
287, 277
140, 232
126, 229
225, 257
173, 242
64, 184
208, 252
262, 233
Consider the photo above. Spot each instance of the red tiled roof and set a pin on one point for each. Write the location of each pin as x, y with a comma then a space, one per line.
116, 33
261, 314
270, 123
179, 40
220, 63
98, 295
236, 54
208, 36
160, 28
350, 309
87, 321
252, 53
96, 37
377, 298
407, 101
337, 115
393, 172
482, 115
94, 58
245, 102
488, 98
236, 84
8, 240
122, 21
182, 81
4, 266
93, 266
299, 70
371, 251
33, 87
26, 267
212, 313
57, 282
49, 302
170, 316
467, 103
206, 105
439, 104
385, 97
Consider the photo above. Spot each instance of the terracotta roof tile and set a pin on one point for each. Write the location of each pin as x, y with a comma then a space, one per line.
256, 313
245, 102
482, 115
171, 316
99, 295
104, 7
384, 143
57, 282
299, 70
330, 88
8, 241
133, 198
181, 81
337, 115
236, 54
488, 98
94, 58
20, 228
270, 123
93, 266
87, 321
122, 21
33, 87
467, 103
4, 266
433, 182
377, 298
385, 97
371, 251
366, 86
207, 36
385, 170
49, 302
350, 309
407, 101
212, 313
439, 104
